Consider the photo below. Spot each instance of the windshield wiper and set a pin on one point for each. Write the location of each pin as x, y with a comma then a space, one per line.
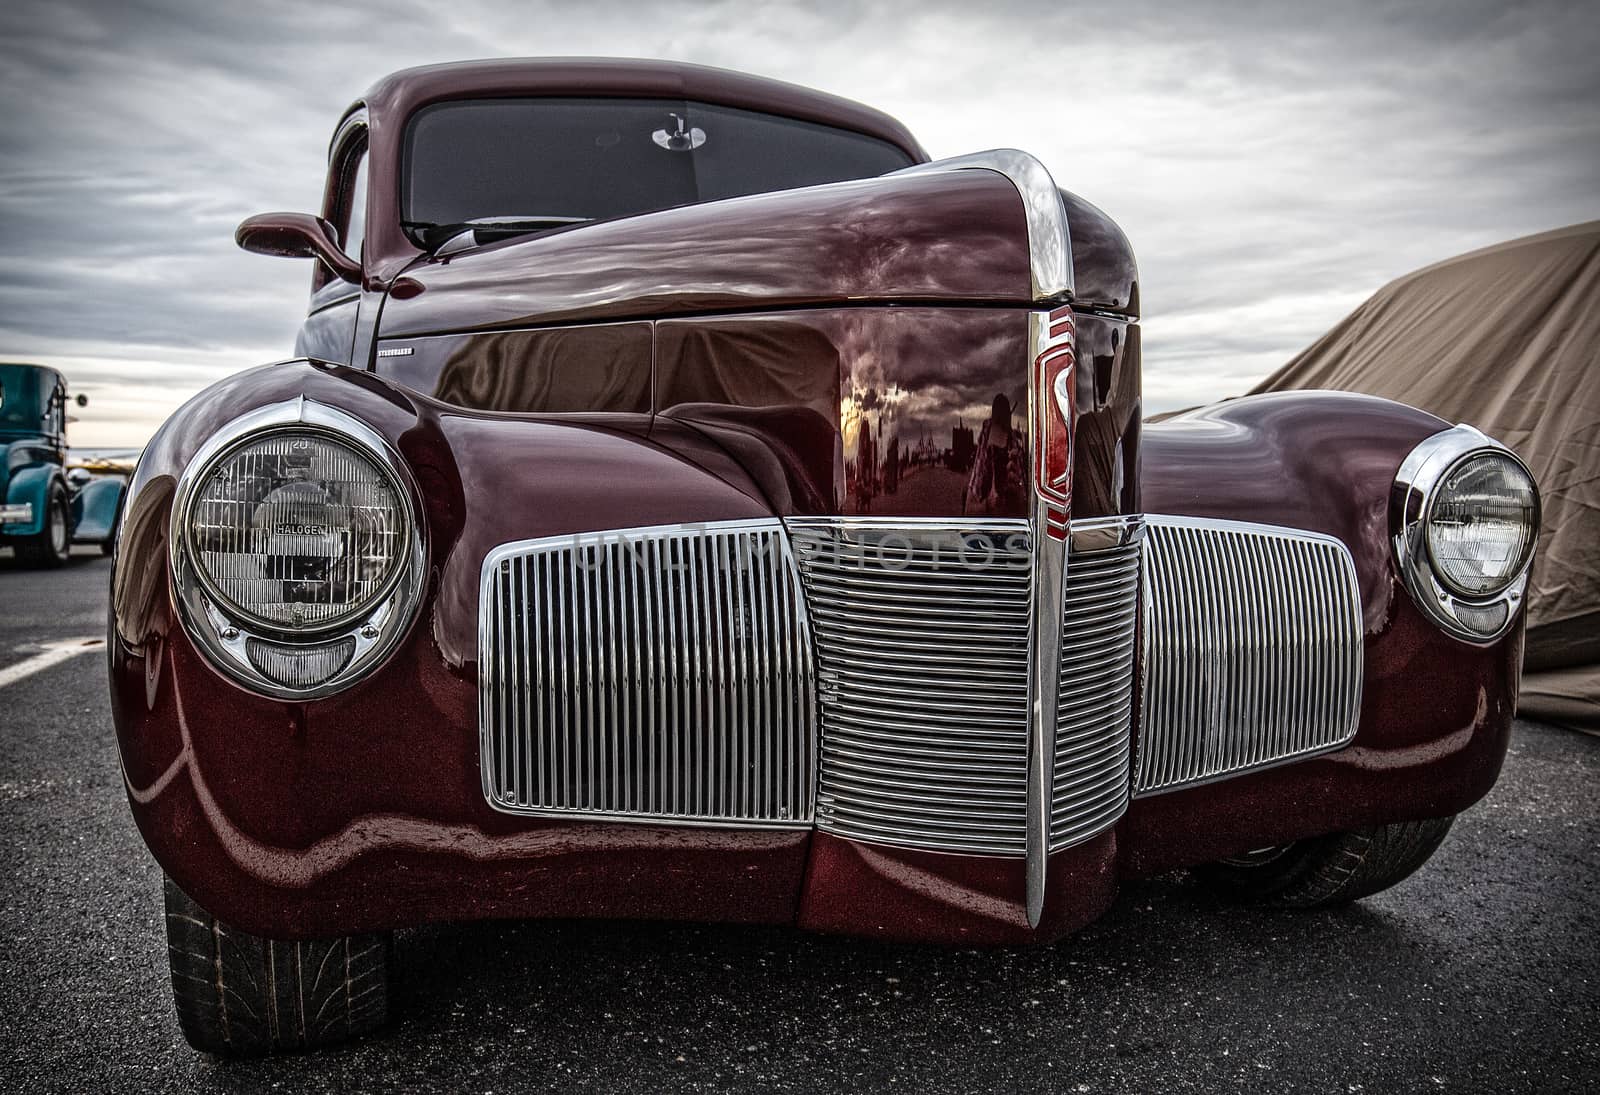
432, 236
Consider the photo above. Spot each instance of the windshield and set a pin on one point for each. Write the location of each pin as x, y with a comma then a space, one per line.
547, 162
25, 394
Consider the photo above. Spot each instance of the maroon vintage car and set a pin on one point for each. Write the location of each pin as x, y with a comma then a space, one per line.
688, 501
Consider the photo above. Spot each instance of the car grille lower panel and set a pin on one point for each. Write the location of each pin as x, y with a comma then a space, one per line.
656, 674
1253, 650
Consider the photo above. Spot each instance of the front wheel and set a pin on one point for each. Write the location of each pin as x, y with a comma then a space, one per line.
240, 995
1326, 870
51, 546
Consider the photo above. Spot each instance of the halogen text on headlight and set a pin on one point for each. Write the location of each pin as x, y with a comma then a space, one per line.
297, 531
1481, 524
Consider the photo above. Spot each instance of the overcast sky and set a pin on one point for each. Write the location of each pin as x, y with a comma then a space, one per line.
1273, 164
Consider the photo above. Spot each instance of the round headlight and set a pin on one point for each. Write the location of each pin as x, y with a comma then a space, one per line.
1482, 523
297, 531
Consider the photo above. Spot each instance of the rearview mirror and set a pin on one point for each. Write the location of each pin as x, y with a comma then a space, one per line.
297, 236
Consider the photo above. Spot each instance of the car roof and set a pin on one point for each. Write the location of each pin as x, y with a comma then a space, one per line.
397, 95
35, 368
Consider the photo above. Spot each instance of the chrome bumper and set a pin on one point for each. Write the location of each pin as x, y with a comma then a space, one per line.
17, 513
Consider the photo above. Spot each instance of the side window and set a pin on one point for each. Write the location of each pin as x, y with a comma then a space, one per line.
344, 202
55, 412
354, 230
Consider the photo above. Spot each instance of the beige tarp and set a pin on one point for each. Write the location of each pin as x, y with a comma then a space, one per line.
1506, 339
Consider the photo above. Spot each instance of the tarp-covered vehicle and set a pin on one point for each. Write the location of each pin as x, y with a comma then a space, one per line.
44, 508
1506, 339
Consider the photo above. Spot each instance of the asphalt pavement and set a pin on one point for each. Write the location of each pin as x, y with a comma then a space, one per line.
1480, 973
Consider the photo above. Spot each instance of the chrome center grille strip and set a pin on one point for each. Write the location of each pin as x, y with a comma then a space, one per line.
654, 674
1253, 650
922, 647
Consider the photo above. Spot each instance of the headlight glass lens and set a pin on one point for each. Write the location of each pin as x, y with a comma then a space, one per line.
1482, 524
297, 531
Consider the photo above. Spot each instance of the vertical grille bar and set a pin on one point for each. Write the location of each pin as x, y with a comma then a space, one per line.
1253, 650
657, 674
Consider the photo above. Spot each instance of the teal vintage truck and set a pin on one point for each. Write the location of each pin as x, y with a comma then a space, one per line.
44, 507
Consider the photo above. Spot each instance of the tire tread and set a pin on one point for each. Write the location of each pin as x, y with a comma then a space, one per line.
1331, 870
241, 995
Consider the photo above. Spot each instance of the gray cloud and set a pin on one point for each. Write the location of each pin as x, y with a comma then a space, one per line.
1273, 163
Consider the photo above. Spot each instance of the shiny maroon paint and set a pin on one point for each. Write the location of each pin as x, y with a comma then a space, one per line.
933, 897
596, 367
789, 394
345, 328
956, 236
882, 380
1435, 713
364, 810
293, 819
297, 236
718, 362
1105, 275
1106, 428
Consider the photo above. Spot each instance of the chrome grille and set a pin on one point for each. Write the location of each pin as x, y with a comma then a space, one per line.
655, 674
1094, 712
1252, 651
922, 649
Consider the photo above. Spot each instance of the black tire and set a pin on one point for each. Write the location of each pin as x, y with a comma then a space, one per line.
240, 995
1327, 870
51, 546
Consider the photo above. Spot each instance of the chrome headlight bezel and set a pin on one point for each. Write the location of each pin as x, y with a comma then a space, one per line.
225, 634
1479, 620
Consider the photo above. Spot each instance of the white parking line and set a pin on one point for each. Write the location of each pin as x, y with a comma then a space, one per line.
52, 654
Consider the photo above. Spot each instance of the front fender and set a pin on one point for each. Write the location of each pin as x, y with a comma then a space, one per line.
31, 484
1320, 461
1435, 712
94, 509
365, 809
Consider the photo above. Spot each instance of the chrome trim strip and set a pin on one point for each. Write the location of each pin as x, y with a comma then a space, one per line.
1051, 526
1044, 678
1253, 650
1416, 485
659, 675
219, 632
1049, 234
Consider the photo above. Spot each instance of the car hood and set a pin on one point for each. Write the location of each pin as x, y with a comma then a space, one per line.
922, 237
